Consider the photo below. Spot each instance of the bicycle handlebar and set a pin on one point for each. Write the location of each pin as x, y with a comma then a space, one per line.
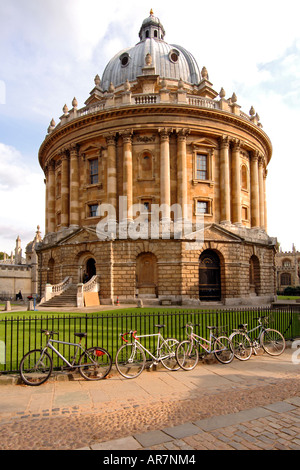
131, 332
49, 333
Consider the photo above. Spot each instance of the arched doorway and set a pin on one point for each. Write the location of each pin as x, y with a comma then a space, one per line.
50, 271
146, 274
90, 270
209, 276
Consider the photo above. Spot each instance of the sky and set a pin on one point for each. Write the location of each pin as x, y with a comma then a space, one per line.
51, 50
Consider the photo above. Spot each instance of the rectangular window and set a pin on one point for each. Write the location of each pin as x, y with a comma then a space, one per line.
202, 207
93, 208
94, 171
244, 213
202, 167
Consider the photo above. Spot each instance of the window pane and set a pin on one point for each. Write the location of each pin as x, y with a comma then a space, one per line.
202, 207
201, 167
93, 171
93, 210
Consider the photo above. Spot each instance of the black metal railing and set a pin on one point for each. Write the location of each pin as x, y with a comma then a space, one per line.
19, 335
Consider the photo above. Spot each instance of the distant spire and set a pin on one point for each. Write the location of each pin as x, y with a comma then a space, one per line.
151, 12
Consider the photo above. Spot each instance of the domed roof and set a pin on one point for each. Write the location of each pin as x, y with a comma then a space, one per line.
170, 61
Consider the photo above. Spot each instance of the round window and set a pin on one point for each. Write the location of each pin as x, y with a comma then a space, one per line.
124, 59
174, 55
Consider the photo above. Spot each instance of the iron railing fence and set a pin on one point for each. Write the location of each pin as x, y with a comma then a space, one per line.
21, 334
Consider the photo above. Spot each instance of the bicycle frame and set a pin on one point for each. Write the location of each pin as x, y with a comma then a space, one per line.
207, 345
77, 345
258, 327
160, 340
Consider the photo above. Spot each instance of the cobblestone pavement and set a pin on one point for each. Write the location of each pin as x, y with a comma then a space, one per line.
243, 405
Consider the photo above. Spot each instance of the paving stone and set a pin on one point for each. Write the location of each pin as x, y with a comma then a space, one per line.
280, 407
183, 430
126, 443
152, 438
223, 421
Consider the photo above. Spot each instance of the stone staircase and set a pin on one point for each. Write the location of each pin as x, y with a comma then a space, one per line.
68, 298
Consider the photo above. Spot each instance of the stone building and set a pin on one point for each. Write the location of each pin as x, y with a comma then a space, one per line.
18, 273
154, 132
287, 269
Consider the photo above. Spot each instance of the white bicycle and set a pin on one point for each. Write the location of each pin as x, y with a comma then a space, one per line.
131, 357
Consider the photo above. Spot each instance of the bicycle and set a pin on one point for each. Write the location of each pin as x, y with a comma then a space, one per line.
272, 341
131, 357
37, 365
187, 353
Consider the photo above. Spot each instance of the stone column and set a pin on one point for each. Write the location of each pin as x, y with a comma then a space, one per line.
165, 184
261, 192
265, 199
65, 190
182, 171
51, 197
46, 199
236, 217
254, 190
127, 170
224, 182
111, 170
74, 187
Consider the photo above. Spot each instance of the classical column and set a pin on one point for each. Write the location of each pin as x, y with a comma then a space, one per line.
182, 171
46, 200
224, 181
265, 199
111, 170
51, 196
236, 184
127, 170
165, 184
65, 189
261, 192
255, 221
74, 187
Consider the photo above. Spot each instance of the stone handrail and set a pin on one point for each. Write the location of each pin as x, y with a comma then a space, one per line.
91, 285
62, 286
112, 101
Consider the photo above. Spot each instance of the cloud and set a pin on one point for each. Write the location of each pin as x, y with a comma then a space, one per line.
22, 198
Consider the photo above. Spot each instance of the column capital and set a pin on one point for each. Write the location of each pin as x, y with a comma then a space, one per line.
111, 138
127, 135
236, 144
224, 142
74, 149
182, 133
164, 133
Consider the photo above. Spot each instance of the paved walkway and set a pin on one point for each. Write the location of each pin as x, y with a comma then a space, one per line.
243, 405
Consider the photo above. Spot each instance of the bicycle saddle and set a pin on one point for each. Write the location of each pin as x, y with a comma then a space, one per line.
80, 335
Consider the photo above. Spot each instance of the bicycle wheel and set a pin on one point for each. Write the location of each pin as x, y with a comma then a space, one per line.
223, 350
130, 360
241, 345
168, 348
272, 342
36, 367
187, 355
95, 363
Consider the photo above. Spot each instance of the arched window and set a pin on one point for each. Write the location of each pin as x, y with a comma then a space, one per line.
145, 166
244, 177
285, 279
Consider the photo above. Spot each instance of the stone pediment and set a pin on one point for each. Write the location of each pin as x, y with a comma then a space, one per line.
81, 235
216, 232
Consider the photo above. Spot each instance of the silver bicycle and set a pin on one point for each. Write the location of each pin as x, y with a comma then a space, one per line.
131, 357
187, 353
37, 365
246, 343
